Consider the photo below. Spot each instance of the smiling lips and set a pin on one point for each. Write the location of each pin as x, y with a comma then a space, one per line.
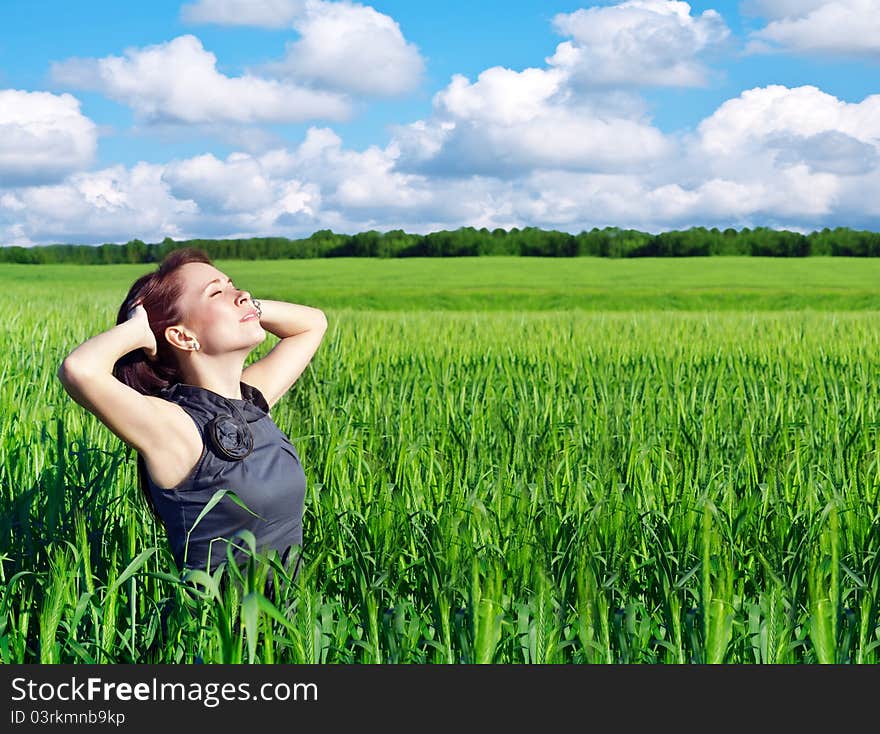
251, 315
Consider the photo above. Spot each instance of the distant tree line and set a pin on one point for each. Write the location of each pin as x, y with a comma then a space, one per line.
610, 242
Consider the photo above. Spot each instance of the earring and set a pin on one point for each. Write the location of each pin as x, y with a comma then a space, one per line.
196, 346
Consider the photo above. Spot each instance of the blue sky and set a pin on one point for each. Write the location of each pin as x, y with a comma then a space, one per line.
280, 117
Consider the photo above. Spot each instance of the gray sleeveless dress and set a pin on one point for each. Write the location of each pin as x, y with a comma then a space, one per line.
242, 451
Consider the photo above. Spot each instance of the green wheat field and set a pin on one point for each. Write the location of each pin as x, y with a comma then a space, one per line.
509, 460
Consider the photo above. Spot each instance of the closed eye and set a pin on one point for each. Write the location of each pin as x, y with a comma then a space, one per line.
217, 293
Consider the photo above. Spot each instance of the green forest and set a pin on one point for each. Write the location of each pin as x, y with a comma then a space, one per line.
611, 242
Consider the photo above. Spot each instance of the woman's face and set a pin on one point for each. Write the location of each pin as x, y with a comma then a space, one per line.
215, 312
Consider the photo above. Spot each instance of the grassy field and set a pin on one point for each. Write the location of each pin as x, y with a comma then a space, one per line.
516, 283
509, 460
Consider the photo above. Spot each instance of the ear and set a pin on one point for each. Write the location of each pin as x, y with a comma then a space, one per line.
180, 338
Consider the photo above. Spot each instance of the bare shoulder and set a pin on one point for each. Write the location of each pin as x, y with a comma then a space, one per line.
160, 430
177, 446
172, 418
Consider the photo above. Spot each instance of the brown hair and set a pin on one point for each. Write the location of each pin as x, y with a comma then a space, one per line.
159, 292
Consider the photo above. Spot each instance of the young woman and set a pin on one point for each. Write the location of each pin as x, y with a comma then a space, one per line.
169, 380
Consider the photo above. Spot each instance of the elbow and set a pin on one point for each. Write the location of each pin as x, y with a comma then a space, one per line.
70, 372
65, 372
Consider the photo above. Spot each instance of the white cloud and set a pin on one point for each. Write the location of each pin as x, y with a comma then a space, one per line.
759, 118
574, 201
111, 205
353, 48
240, 190
797, 158
358, 183
43, 137
503, 96
236, 185
787, 153
178, 81
343, 46
846, 27
152, 202
263, 13
318, 184
638, 42
508, 122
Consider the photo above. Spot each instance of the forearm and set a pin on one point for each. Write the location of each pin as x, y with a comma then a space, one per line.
289, 319
101, 352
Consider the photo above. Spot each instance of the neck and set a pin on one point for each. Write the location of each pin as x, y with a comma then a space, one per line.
220, 373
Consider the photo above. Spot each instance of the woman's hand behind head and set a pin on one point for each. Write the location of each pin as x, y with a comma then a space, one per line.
138, 314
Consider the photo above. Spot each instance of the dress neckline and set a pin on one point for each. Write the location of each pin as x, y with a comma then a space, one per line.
242, 387
251, 396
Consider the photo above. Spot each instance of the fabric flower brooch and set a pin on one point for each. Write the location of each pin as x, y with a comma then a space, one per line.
231, 436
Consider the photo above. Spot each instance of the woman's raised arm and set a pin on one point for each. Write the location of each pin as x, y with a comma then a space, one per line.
102, 351
301, 330
87, 376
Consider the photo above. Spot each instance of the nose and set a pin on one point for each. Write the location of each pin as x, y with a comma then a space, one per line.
243, 296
